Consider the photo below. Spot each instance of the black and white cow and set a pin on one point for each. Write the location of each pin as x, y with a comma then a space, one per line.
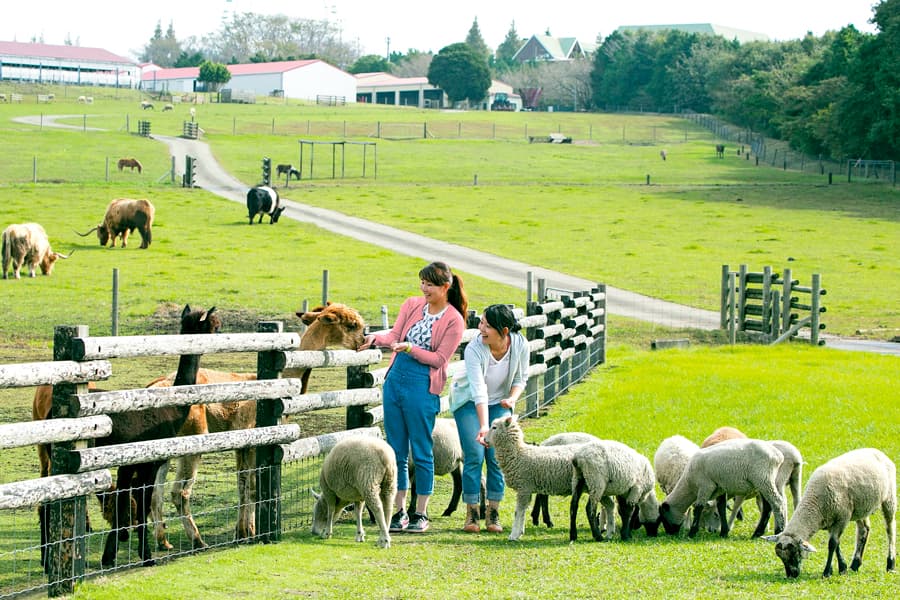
264, 200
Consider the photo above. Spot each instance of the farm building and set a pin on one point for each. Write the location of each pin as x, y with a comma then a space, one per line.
384, 88
729, 33
549, 48
301, 79
48, 63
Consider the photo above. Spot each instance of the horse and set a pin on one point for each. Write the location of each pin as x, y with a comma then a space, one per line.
720, 150
130, 162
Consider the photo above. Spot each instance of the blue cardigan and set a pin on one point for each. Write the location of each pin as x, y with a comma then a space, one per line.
471, 387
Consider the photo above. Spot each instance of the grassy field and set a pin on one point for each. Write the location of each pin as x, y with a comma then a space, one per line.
584, 209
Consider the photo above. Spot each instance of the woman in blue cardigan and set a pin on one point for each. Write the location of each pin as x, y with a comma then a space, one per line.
495, 377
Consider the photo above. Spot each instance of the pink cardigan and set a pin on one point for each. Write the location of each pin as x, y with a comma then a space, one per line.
446, 334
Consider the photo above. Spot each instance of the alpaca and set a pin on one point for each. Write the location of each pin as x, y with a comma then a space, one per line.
330, 325
150, 424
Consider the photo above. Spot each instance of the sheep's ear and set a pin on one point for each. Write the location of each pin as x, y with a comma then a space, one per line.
771, 538
806, 546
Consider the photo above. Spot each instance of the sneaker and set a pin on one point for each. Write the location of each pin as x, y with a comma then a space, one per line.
399, 522
418, 523
493, 521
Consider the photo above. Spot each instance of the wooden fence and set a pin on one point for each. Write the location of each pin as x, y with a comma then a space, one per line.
769, 305
566, 332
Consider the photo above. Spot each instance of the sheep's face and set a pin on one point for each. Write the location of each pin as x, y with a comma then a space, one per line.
791, 550
670, 519
320, 517
503, 428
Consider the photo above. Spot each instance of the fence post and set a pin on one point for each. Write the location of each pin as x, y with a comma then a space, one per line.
532, 392
814, 310
786, 290
732, 324
723, 305
114, 329
741, 297
324, 286
268, 458
64, 520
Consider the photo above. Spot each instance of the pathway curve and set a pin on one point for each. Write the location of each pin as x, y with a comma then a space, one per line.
212, 177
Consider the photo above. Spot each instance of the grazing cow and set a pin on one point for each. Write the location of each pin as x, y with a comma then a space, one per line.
123, 216
130, 162
720, 150
28, 244
146, 104
264, 200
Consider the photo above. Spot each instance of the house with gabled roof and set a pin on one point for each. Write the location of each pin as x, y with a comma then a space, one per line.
51, 63
549, 48
299, 79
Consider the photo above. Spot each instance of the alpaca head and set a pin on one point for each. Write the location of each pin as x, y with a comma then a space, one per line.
199, 321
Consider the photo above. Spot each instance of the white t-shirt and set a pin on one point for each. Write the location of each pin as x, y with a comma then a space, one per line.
495, 378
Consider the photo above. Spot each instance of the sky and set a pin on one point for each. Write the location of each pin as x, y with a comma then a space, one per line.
399, 25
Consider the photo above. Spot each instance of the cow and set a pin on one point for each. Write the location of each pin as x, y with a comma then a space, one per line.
27, 243
264, 200
123, 216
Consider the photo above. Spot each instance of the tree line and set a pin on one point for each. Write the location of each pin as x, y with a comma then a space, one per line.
837, 95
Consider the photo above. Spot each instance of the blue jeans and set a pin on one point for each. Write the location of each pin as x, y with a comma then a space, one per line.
477, 455
409, 414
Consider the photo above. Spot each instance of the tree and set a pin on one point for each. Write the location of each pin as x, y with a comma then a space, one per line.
370, 63
413, 64
162, 50
507, 50
461, 73
214, 75
476, 42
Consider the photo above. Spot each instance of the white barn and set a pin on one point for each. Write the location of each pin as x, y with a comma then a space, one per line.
49, 63
299, 79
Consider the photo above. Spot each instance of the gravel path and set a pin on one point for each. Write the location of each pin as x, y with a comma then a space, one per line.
211, 177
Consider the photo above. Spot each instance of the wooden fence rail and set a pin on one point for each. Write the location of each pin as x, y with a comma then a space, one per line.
566, 337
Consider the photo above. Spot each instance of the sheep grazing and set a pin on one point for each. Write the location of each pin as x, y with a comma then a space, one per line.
360, 470
847, 488
735, 467
790, 472
669, 462
529, 469
610, 468
721, 434
541, 508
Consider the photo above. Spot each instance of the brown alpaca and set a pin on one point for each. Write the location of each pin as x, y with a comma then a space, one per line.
330, 325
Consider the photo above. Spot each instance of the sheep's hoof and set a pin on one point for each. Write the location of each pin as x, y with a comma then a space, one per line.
360, 537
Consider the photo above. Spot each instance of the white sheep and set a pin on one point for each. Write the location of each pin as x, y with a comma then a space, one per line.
541, 506
790, 472
360, 469
847, 488
529, 469
448, 458
669, 461
735, 467
610, 468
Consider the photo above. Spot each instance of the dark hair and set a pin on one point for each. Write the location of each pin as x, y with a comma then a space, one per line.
439, 273
499, 316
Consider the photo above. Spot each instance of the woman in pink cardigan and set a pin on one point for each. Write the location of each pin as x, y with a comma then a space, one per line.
425, 336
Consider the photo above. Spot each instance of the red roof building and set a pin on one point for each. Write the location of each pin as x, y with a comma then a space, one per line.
49, 63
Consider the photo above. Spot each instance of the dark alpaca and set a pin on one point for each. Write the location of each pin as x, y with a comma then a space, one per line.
150, 424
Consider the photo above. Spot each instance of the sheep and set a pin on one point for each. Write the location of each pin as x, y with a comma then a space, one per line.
168, 106
360, 469
669, 462
735, 467
721, 434
146, 105
790, 472
609, 468
541, 507
847, 488
529, 469
448, 458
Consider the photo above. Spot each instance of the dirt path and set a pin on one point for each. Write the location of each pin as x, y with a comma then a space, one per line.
211, 177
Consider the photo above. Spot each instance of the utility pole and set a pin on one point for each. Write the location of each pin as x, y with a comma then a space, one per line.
388, 57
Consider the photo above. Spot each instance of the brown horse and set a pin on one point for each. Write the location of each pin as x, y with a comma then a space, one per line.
130, 162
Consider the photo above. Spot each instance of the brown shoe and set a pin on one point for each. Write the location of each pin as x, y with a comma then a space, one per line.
471, 525
493, 521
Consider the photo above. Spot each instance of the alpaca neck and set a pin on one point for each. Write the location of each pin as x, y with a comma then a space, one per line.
188, 365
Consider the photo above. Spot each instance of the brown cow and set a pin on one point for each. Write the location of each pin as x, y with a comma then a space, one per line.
27, 243
123, 216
